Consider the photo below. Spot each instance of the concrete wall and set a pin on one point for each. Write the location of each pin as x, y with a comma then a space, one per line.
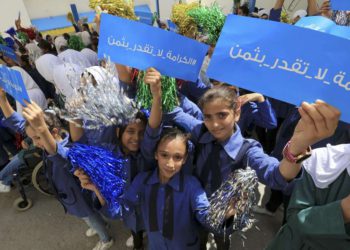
9, 13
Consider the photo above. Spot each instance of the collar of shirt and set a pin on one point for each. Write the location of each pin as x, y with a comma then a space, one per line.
174, 182
231, 145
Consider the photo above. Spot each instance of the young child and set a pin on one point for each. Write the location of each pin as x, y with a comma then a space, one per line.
45, 131
220, 147
131, 145
172, 203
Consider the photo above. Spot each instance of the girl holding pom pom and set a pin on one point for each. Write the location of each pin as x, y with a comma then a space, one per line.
136, 143
45, 129
172, 203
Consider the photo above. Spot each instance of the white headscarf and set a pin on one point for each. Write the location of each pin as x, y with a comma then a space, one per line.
34, 51
101, 75
326, 164
85, 36
90, 55
60, 41
75, 57
46, 64
67, 77
34, 92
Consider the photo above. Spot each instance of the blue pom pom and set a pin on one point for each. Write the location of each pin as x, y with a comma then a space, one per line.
146, 112
105, 170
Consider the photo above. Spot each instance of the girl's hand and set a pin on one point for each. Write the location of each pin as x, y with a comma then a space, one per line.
318, 121
85, 181
153, 78
231, 211
253, 97
3, 97
35, 116
326, 10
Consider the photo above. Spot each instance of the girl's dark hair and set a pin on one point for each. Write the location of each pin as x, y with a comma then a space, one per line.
139, 115
52, 121
226, 93
172, 133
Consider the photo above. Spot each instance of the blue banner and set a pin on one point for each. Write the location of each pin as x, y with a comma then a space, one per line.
172, 26
340, 4
296, 65
143, 12
324, 24
11, 81
142, 46
8, 52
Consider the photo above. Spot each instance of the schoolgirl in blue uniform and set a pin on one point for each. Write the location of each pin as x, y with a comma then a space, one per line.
45, 131
172, 203
139, 151
220, 147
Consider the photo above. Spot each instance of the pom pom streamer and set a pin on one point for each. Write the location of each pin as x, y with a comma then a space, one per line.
169, 93
105, 171
239, 189
121, 8
101, 103
210, 20
183, 21
76, 43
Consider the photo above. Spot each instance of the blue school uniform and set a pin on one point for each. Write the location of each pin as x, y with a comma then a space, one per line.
65, 186
100, 136
193, 90
266, 167
136, 163
257, 113
171, 211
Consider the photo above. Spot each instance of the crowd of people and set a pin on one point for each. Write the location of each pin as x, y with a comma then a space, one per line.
176, 159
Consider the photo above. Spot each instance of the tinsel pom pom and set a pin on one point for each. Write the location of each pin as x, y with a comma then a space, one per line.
169, 93
22, 37
76, 43
11, 31
105, 171
121, 8
210, 20
239, 189
186, 25
102, 103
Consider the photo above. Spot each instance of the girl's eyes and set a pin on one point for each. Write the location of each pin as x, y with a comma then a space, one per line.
222, 115
131, 132
178, 157
164, 155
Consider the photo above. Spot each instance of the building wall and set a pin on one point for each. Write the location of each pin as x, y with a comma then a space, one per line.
10, 13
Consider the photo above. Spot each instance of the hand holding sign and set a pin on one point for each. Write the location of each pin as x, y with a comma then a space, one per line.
326, 9
318, 121
153, 79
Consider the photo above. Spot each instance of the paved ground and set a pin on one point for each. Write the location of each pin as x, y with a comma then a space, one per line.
46, 227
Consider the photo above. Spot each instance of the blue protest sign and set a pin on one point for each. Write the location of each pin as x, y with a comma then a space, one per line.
11, 81
324, 24
8, 52
340, 4
296, 65
143, 12
172, 26
142, 46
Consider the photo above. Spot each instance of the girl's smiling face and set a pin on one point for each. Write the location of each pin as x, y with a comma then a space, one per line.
220, 119
132, 136
171, 155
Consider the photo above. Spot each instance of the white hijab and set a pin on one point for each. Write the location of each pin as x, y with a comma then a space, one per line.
60, 41
75, 57
34, 51
34, 92
86, 38
101, 75
46, 64
90, 55
326, 164
67, 77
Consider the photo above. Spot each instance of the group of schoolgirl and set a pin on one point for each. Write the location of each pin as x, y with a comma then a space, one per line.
169, 204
